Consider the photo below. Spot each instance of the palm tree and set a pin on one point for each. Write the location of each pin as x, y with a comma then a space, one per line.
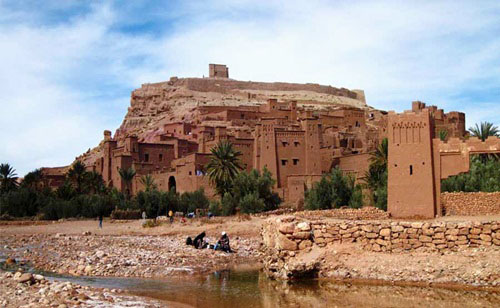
149, 182
94, 182
33, 179
379, 157
483, 132
77, 175
8, 178
443, 134
127, 176
223, 167
486, 129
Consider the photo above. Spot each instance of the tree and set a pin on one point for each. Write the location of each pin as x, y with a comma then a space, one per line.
148, 182
77, 174
223, 167
334, 190
443, 134
253, 192
94, 183
8, 178
379, 157
484, 131
33, 179
127, 176
376, 176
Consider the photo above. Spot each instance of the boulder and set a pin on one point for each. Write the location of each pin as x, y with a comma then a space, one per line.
304, 226
26, 277
285, 244
287, 228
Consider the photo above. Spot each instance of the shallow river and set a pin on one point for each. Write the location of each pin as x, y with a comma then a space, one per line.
253, 289
250, 288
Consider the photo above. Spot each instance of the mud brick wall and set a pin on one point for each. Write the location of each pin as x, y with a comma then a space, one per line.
294, 234
471, 203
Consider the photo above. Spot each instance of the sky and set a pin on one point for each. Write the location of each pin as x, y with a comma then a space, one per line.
68, 67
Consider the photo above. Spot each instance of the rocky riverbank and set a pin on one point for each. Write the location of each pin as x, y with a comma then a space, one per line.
125, 255
27, 290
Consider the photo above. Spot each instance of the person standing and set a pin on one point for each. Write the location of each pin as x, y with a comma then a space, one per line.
100, 221
171, 216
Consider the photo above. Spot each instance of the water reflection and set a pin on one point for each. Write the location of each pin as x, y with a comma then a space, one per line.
253, 289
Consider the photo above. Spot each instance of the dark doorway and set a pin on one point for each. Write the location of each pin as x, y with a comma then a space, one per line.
171, 184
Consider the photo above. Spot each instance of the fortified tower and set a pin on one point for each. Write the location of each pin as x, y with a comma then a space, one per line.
410, 165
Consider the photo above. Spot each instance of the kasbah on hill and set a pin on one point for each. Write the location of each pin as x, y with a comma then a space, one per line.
181, 165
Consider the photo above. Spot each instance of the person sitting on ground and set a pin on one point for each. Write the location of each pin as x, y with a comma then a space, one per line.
223, 243
198, 242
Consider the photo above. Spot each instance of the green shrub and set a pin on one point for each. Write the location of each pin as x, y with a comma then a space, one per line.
228, 205
484, 175
215, 208
252, 192
190, 201
334, 190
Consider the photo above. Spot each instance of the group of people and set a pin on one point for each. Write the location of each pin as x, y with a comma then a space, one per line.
200, 243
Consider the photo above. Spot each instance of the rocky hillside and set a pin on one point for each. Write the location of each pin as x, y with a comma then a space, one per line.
155, 104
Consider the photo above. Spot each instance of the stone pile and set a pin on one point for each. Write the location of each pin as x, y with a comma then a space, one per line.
471, 203
33, 290
290, 233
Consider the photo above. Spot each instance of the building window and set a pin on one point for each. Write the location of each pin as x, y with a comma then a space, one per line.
411, 170
295, 161
160, 157
146, 157
190, 173
296, 143
285, 143
284, 162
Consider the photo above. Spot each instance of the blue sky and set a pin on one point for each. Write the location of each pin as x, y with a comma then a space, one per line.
68, 67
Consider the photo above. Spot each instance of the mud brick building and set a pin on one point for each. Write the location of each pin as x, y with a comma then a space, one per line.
297, 131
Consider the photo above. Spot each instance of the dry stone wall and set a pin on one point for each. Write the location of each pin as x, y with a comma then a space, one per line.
471, 203
289, 243
291, 233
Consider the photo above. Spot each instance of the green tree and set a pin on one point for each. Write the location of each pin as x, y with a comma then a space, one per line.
334, 190
8, 178
94, 183
127, 176
259, 187
443, 135
484, 130
190, 201
148, 182
33, 179
223, 167
376, 176
77, 174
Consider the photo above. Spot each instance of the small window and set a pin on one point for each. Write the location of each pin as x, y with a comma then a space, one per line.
296, 143
285, 143
284, 162
146, 157
160, 157
411, 169
295, 161
190, 173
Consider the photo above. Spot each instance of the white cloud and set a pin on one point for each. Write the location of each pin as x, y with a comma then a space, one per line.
54, 75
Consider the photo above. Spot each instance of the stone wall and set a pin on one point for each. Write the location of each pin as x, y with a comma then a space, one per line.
292, 234
471, 203
292, 246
